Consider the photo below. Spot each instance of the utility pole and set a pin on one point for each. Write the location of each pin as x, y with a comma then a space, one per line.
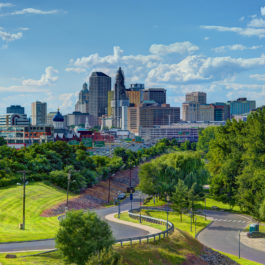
24, 199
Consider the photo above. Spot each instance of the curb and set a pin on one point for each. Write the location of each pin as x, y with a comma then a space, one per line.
196, 236
28, 241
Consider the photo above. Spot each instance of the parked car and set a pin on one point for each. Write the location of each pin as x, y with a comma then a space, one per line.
121, 196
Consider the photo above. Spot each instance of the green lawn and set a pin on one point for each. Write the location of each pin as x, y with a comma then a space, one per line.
174, 218
38, 198
125, 216
48, 258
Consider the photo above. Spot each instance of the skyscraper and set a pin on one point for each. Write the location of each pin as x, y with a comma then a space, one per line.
241, 106
82, 104
15, 109
199, 97
120, 99
39, 113
99, 85
159, 95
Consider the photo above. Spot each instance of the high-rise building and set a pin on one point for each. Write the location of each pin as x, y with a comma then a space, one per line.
50, 116
190, 111
136, 87
99, 86
221, 111
135, 94
80, 119
82, 104
206, 112
120, 99
15, 109
241, 106
150, 114
39, 113
159, 95
199, 97
14, 119
110, 98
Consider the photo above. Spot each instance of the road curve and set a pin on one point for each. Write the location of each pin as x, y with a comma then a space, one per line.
119, 230
223, 234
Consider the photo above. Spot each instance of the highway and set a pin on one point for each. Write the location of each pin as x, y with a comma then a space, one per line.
119, 230
223, 235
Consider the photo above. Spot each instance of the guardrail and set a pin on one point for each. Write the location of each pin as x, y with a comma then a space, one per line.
133, 214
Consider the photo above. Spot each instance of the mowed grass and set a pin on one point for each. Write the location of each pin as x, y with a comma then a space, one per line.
174, 218
38, 198
168, 251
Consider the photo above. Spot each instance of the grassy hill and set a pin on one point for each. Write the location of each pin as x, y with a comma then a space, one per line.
38, 198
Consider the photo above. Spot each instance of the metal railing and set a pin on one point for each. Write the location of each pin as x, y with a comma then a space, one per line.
157, 236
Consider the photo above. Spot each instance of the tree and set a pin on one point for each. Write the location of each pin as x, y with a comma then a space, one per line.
2, 141
180, 198
205, 137
82, 235
262, 210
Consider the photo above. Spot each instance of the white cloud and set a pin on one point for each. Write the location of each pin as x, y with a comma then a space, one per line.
7, 36
206, 38
249, 32
235, 47
46, 79
242, 18
31, 11
177, 47
23, 28
262, 11
259, 77
257, 23
5, 5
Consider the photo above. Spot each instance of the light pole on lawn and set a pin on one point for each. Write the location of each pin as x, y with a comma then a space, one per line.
195, 225
191, 220
239, 244
119, 207
24, 183
205, 208
167, 209
140, 193
68, 189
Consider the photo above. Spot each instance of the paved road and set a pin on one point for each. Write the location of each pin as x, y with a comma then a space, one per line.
223, 235
119, 231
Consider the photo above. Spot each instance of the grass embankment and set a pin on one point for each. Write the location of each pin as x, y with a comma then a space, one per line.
48, 258
38, 198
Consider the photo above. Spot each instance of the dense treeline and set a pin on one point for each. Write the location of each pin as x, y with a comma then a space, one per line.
236, 162
162, 175
51, 162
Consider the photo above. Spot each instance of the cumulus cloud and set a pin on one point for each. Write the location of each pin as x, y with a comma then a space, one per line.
257, 23
262, 11
46, 79
5, 5
177, 47
31, 11
259, 77
7, 36
236, 47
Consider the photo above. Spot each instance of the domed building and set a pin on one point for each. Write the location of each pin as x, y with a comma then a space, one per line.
58, 120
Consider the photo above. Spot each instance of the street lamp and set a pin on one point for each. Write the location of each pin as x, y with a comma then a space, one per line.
239, 244
22, 226
119, 207
68, 188
167, 209
205, 208
191, 220
140, 193
195, 225
109, 187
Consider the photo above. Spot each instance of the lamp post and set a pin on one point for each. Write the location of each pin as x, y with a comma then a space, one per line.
22, 226
191, 221
239, 244
167, 209
140, 207
195, 226
119, 206
205, 208
68, 189
109, 187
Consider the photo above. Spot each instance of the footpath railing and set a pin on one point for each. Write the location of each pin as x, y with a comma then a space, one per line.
134, 213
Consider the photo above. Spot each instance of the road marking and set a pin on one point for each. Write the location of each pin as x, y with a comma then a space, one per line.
230, 220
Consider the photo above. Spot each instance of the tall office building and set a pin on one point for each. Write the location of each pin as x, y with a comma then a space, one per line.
221, 111
159, 95
15, 109
82, 104
120, 100
148, 115
110, 98
241, 106
206, 112
190, 111
99, 86
50, 117
199, 97
39, 113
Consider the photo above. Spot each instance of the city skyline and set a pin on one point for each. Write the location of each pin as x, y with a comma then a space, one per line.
48, 49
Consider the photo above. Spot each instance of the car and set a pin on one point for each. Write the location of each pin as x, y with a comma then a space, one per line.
121, 196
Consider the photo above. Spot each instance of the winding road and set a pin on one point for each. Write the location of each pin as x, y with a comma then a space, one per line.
119, 230
223, 234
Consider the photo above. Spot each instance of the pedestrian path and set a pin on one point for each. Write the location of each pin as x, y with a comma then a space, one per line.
231, 220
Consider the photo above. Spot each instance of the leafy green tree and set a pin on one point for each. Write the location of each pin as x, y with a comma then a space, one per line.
179, 198
2, 141
82, 235
205, 137
262, 210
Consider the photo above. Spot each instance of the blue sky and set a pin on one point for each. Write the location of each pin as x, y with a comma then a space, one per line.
49, 48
